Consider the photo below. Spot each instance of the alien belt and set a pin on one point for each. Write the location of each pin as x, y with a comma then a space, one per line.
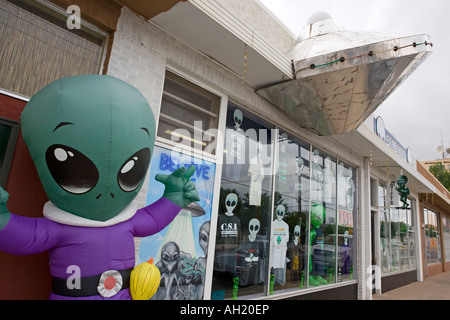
107, 284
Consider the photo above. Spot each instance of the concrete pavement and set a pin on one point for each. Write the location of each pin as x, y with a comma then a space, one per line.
434, 288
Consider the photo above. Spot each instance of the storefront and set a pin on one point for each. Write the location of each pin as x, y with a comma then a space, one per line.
284, 212
435, 234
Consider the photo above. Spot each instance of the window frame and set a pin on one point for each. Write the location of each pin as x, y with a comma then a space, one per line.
10, 148
220, 116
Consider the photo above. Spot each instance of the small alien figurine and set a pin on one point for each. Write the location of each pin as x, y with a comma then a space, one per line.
91, 138
403, 190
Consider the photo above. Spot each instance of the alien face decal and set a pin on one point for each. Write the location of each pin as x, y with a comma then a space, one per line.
231, 202
280, 211
238, 118
253, 228
91, 139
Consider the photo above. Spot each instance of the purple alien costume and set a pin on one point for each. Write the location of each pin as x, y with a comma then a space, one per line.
94, 249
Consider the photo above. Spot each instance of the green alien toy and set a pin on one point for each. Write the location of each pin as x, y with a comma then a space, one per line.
316, 238
91, 138
403, 190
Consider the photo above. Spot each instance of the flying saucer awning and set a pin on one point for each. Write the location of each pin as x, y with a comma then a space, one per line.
342, 77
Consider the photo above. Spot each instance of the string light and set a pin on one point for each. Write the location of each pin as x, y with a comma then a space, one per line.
369, 54
244, 76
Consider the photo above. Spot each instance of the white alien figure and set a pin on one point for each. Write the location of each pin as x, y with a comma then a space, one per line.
346, 236
280, 238
296, 234
281, 210
238, 118
317, 178
231, 203
253, 227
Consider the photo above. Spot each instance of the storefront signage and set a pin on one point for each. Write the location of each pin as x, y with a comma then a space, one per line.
345, 218
166, 163
391, 141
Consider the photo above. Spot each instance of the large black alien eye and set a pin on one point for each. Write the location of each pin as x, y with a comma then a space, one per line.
72, 170
134, 170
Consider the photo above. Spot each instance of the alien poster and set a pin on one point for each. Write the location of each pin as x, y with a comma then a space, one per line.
180, 250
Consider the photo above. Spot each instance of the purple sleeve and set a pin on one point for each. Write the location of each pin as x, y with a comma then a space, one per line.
154, 218
26, 236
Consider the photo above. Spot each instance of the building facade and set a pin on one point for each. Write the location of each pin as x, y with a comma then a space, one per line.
444, 162
284, 213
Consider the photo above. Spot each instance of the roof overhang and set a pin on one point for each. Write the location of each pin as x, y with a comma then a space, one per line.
149, 8
210, 28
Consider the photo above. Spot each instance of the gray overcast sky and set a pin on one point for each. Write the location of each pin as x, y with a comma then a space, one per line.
418, 112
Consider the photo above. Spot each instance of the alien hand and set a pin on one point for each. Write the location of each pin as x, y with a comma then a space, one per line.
4, 212
179, 188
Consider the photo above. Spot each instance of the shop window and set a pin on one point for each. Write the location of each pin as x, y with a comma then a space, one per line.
432, 236
9, 131
289, 258
446, 229
323, 220
189, 114
346, 222
287, 213
397, 236
245, 209
37, 48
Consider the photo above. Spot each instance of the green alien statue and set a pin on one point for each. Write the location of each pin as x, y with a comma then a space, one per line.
403, 190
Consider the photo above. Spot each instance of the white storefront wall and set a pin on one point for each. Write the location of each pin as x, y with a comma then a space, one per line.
141, 53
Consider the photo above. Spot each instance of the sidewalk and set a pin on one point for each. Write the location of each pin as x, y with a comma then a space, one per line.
434, 288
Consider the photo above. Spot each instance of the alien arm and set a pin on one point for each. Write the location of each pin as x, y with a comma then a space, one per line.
26, 236
155, 217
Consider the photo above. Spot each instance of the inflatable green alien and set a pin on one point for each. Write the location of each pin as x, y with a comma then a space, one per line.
91, 138
317, 239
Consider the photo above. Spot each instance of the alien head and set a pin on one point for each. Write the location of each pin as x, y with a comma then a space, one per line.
204, 236
170, 254
231, 202
296, 232
281, 210
317, 214
91, 138
238, 118
253, 228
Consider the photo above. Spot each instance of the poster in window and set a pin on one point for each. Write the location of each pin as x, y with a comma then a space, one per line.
180, 250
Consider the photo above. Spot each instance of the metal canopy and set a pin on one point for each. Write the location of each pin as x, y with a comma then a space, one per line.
341, 77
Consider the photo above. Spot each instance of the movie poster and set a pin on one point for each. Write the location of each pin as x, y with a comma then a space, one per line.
180, 250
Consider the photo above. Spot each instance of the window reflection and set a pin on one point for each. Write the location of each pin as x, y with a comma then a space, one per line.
322, 242
286, 215
432, 235
397, 236
241, 255
290, 222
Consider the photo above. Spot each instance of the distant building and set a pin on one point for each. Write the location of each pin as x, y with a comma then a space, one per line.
429, 163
